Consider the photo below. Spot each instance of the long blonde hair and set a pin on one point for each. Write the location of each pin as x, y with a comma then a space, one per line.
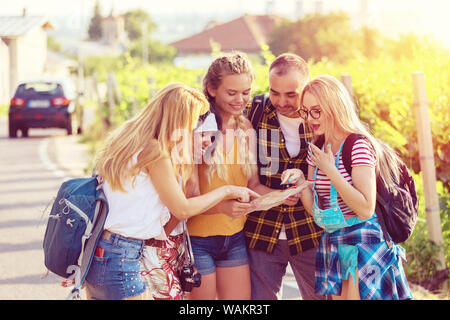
339, 109
229, 64
174, 109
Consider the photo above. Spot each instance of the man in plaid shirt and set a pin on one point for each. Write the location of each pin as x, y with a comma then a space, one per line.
286, 233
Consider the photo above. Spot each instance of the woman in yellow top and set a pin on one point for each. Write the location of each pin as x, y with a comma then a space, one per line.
217, 235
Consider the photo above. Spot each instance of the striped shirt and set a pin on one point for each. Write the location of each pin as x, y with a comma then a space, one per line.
362, 155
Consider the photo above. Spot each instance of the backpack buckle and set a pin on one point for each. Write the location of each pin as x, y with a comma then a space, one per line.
74, 294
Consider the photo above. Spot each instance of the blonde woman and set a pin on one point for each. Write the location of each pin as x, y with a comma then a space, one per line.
354, 261
144, 164
163, 258
217, 236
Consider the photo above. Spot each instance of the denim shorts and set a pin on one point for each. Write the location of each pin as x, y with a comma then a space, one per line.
115, 270
219, 251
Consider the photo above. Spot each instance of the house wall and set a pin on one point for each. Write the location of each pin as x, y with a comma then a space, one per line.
13, 47
4, 73
113, 30
27, 55
31, 52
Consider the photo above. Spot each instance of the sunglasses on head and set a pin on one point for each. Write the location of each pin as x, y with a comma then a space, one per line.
204, 116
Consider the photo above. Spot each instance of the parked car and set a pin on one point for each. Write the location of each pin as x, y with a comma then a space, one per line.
42, 104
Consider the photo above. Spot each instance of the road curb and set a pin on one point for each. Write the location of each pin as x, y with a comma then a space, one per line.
69, 155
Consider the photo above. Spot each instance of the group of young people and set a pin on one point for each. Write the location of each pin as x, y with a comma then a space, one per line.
192, 161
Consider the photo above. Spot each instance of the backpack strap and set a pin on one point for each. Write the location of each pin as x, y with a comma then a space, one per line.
347, 151
347, 160
320, 141
101, 212
259, 102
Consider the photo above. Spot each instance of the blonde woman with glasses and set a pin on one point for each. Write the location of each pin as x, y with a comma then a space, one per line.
145, 164
354, 261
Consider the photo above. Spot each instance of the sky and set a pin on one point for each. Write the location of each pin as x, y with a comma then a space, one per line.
390, 16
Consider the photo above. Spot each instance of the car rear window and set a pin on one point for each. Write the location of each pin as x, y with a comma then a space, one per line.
39, 88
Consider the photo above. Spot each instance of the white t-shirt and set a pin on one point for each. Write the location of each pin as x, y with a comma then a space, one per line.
139, 212
289, 127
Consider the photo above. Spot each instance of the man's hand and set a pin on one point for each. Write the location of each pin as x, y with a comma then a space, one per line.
292, 200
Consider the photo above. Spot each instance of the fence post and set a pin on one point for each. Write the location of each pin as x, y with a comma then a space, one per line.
80, 96
151, 82
346, 79
101, 104
113, 96
144, 44
427, 166
134, 102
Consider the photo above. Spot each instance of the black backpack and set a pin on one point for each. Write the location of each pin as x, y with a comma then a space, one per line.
254, 113
397, 208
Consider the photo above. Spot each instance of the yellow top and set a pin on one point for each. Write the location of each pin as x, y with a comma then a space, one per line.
219, 224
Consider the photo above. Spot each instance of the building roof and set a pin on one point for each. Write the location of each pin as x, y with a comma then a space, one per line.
246, 33
14, 26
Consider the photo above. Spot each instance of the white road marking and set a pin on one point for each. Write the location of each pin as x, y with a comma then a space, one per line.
45, 159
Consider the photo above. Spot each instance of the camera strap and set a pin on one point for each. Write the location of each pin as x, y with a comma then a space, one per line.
188, 255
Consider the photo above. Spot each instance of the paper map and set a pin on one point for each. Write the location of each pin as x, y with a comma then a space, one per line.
275, 198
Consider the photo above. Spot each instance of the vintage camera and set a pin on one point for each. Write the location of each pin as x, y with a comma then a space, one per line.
189, 278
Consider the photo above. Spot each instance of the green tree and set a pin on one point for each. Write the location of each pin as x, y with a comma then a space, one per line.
135, 21
95, 26
370, 41
316, 36
139, 26
157, 51
53, 45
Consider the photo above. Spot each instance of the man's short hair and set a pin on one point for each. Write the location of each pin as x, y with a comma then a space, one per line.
287, 61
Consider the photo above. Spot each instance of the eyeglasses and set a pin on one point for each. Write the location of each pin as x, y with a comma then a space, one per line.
314, 113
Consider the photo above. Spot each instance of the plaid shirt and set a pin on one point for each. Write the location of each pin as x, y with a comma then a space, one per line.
262, 227
380, 270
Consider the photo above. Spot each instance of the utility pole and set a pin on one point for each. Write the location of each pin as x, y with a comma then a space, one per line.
299, 10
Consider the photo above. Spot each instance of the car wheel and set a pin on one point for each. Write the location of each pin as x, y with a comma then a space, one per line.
24, 132
69, 126
12, 130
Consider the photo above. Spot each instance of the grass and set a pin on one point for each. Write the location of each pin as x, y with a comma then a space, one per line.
420, 293
3, 110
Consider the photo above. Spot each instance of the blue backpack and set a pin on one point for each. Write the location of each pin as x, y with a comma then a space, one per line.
74, 227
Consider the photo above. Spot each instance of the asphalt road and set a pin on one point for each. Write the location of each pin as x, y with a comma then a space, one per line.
31, 171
